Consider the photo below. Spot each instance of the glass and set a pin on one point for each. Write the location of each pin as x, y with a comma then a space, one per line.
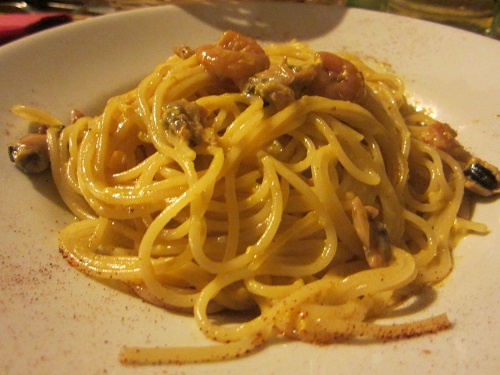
495, 27
367, 4
473, 15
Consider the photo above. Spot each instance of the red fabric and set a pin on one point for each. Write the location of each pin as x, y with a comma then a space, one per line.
15, 25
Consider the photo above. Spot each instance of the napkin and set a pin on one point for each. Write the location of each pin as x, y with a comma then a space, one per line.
16, 25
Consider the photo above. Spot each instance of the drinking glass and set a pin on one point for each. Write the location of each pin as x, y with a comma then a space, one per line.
473, 15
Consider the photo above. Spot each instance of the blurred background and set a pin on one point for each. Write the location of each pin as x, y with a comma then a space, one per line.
18, 18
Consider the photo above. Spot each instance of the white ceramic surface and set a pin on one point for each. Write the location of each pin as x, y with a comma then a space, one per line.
54, 320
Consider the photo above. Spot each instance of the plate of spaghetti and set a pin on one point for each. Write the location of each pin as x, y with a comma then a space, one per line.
278, 187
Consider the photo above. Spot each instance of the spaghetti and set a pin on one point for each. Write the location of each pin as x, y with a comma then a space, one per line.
293, 184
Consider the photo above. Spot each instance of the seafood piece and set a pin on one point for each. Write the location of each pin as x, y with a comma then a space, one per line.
235, 57
338, 79
443, 137
75, 115
281, 84
482, 177
30, 154
184, 119
183, 51
372, 233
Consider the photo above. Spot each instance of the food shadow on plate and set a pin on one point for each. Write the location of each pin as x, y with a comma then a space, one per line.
272, 21
44, 184
413, 300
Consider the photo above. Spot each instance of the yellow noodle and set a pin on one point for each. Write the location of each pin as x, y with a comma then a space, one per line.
259, 217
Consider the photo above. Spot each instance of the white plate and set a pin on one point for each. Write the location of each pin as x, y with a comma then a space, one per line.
55, 320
